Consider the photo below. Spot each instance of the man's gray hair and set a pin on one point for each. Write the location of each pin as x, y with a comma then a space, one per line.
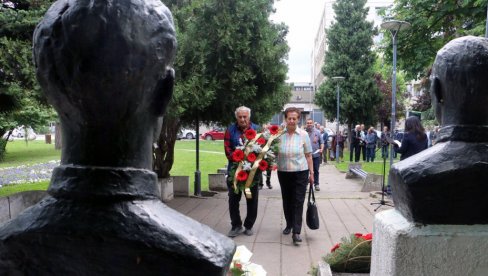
243, 108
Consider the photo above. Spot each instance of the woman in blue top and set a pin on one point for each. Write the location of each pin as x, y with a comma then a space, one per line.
414, 139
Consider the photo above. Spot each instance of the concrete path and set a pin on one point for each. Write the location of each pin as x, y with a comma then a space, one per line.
343, 209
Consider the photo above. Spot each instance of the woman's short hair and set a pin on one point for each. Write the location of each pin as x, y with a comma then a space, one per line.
290, 110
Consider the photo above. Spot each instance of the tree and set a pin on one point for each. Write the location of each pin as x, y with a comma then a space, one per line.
229, 54
21, 102
434, 23
383, 79
349, 54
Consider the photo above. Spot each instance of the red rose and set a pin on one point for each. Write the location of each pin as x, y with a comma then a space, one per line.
358, 235
335, 247
241, 175
368, 236
273, 129
261, 141
251, 157
238, 265
238, 155
263, 165
250, 134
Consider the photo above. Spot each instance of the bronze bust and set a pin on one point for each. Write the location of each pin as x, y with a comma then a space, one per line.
106, 68
447, 183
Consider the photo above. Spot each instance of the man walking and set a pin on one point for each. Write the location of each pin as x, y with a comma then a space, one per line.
234, 138
317, 148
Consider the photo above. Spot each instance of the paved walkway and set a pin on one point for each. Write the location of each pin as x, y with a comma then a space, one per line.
342, 207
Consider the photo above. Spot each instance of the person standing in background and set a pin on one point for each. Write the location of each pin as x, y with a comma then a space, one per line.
414, 139
384, 142
362, 142
371, 139
325, 138
317, 149
355, 148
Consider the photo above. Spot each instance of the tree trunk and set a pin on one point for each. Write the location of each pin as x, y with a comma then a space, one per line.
163, 157
57, 136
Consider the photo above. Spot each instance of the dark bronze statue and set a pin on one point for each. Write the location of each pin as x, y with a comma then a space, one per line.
105, 67
448, 183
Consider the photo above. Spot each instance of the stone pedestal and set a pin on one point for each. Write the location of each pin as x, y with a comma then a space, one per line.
401, 247
166, 188
216, 182
181, 185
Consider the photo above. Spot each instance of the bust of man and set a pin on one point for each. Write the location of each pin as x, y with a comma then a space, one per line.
105, 67
447, 183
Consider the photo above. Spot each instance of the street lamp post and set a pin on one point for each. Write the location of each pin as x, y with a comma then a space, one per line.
337, 125
394, 26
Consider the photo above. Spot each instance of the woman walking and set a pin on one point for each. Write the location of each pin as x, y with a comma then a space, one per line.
295, 172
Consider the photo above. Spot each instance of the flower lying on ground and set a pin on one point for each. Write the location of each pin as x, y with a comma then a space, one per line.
241, 266
352, 254
257, 154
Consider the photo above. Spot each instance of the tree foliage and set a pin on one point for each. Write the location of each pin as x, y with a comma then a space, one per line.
383, 80
349, 54
229, 54
433, 24
21, 102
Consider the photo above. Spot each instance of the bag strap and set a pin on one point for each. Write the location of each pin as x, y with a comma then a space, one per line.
311, 193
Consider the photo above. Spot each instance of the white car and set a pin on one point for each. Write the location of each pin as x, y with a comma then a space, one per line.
19, 132
187, 134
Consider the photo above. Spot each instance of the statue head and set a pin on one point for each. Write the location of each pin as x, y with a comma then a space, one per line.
459, 86
105, 66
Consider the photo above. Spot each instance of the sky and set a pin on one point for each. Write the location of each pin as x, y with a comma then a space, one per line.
302, 18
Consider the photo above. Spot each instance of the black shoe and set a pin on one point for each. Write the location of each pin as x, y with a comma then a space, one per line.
235, 231
296, 238
287, 231
248, 232
269, 186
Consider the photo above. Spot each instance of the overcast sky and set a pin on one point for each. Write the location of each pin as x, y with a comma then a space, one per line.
302, 18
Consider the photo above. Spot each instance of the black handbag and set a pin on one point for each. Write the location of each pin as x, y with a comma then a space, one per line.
312, 212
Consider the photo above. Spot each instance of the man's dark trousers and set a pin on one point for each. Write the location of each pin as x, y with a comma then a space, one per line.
293, 189
252, 206
316, 166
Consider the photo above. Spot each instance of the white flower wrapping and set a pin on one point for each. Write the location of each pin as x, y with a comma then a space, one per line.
243, 257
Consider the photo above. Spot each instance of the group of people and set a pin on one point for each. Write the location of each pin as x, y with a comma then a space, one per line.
363, 142
298, 162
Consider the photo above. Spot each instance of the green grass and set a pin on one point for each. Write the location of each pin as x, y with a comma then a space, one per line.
34, 152
18, 152
17, 188
375, 167
212, 157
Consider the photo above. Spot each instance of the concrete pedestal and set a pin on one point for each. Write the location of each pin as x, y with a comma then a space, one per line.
166, 189
401, 247
217, 182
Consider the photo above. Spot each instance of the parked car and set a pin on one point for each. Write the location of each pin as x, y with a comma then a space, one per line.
214, 134
186, 134
19, 132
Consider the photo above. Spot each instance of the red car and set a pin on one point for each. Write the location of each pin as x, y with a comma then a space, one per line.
214, 134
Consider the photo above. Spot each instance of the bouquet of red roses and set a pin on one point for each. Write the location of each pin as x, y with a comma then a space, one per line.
256, 155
